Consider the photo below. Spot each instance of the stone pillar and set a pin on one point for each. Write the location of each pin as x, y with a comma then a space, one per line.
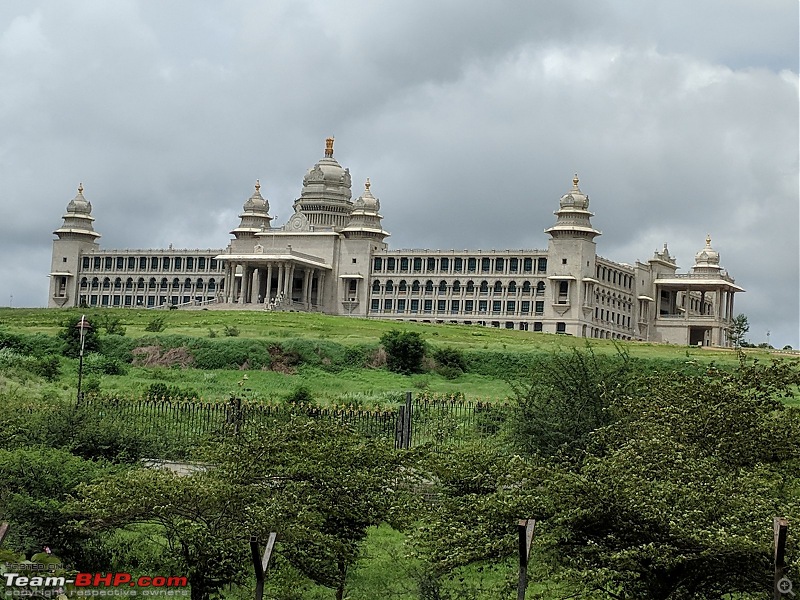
306, 287
255, 277
268, 290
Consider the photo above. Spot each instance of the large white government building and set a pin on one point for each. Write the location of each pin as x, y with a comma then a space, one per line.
331, 256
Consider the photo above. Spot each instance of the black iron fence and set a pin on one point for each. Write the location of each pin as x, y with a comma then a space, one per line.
173, 427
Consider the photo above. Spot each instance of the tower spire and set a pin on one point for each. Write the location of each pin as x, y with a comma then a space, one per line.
329, 147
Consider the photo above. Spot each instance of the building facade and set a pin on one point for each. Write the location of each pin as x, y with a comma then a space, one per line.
331, 256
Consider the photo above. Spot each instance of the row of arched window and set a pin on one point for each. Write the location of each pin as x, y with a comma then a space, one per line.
614, 301
140, 284
151, 263
483, 287
614, 277
444, 264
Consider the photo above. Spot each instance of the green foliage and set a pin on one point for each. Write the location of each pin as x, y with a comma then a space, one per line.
47, 367
99, 364
738, 329
300, 395
112, 324
117, 347
404, 351
212, 333
70, 334
35, 485
162, 391
156, 325
450, 362
566, 397
231, 330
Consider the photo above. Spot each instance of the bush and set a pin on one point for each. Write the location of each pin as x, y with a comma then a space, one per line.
48, 367
71, 336
103, 365
404, 351
111, 324
301, 395
231, 331
450, 362
156, 325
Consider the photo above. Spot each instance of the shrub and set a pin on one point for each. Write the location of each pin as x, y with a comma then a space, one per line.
103, 365
404, 351
231, 331
450, 362
111, 324
156, 325
47, 367
300, 395
71, 336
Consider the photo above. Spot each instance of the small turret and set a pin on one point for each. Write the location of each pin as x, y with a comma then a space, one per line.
78, 220
365, 220
255, 215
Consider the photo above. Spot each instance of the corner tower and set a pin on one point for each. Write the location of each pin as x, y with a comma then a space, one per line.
325, 199
365, 220
75, 237
571, 262
254, 218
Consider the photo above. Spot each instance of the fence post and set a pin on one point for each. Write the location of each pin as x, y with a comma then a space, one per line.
407, 422
525, 529
260, 563
781, 584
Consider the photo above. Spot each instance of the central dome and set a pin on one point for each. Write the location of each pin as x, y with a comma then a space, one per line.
325, 199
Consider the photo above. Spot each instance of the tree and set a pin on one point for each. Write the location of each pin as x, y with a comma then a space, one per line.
71, 335
319, 485
404, 351
738, 328
672, 499
564, 397
344, 482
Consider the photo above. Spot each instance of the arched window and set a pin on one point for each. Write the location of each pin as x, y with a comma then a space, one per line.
526, 287
164, 283
176, 283
540, 288
376, 286
498, 287
429, 287
212, 284
403, 286
484, 287
117, 283
512, 286
442, 287
106, 283
470, 287
187, 283
129, 283
389, 285
456, 286
415, 286
84, 282
140, 283
95, 283
199, 283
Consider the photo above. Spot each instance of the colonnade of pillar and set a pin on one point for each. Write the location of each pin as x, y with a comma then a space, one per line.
264, 283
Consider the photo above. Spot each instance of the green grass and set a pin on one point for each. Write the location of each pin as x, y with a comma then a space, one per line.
345, 330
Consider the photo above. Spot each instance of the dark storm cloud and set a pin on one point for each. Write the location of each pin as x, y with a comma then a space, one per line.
470, 119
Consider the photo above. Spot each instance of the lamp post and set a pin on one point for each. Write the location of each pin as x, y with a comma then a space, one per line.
83, 326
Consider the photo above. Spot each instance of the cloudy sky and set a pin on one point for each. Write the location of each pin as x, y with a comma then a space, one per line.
470, 118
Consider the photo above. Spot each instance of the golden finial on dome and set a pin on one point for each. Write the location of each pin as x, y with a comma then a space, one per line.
575, 180
329, 147
80, 188
708, 240
367, 184
258, 185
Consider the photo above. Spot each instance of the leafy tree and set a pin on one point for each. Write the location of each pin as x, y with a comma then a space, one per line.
565, 397
738, 329
71, 335
404, 351
344, 482
35, 485
204, 519
156, 325
320, 485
